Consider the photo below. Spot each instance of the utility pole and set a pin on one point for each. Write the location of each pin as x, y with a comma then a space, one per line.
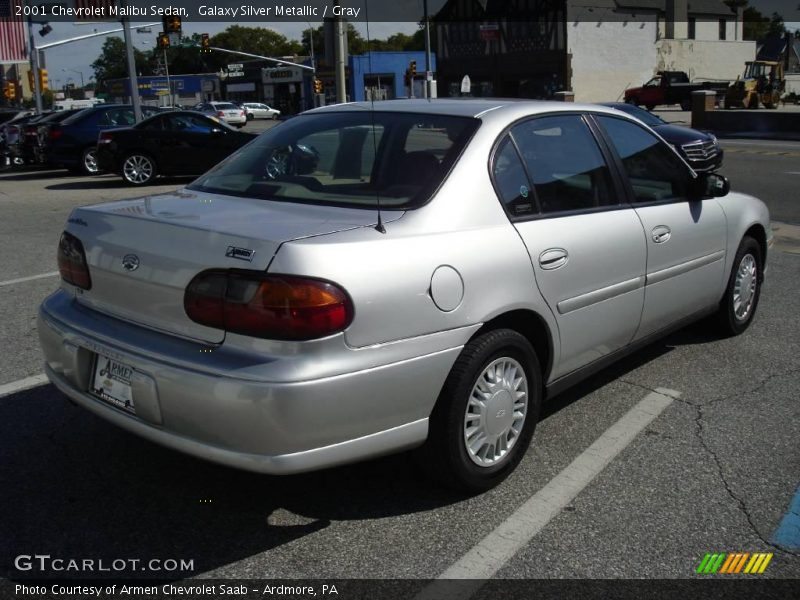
339, 53
169, 85
34, 55
428, 70
132, 76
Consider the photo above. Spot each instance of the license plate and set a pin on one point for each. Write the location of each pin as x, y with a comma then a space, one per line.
112, 382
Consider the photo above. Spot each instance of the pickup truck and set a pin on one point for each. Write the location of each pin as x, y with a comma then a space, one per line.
670, 87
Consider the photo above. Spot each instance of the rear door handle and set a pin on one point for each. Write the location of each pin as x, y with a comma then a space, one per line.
661, 234
553, 258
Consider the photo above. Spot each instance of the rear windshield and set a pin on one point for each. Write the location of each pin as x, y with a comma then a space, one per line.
77, 116
345, 159
225, 106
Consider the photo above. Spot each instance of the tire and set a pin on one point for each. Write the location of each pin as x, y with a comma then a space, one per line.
250, 116
738, 306
138, 169
88, 164
686, 105
445, 456
650, 107
274, 117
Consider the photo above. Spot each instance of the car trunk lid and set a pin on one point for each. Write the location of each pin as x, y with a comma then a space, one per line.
143, 253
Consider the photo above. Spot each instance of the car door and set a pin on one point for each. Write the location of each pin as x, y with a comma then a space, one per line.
651, 92
685, 238
585, 242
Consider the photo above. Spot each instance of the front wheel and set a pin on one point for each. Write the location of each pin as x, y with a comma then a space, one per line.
89, 161
486, 413
738, 306
138, 169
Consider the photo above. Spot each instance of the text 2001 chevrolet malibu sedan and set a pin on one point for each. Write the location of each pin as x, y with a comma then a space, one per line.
266, 317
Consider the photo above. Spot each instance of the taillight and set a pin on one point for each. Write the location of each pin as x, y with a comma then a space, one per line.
220, 114
104, 138
279, 307
55, 133
72, 262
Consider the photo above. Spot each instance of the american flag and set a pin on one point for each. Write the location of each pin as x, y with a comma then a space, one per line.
12, 34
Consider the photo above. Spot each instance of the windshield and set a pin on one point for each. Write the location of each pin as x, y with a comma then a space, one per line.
645, 116
345, 159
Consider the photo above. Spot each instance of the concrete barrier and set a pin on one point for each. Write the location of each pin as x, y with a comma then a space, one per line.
759, 123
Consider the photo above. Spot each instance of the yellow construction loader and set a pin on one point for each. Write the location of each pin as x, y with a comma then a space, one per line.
762, 82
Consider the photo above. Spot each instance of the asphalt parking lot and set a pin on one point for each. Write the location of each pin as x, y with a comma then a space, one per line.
703, 432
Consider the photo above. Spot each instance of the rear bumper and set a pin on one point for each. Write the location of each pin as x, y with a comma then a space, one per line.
275, 427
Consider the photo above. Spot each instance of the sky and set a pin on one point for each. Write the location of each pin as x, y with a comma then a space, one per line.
66, 63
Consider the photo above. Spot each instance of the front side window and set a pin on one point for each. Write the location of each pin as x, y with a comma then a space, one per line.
346, 158
655, 172
565, 163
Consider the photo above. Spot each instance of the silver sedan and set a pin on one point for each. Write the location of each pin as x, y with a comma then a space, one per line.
420, 275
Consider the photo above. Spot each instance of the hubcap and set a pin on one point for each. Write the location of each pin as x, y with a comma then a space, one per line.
90, 161
496, 412
744, 287
137, 169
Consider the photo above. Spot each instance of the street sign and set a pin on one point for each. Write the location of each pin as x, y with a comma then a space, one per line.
235, 67
466, 85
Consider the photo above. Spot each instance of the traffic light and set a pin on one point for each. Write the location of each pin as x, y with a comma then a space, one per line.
44, 83
10, 90
412, 68
162, 41
318, 86
172, 24
30, 80
205, 43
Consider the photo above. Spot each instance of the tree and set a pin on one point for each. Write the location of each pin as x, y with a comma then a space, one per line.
256, 40
112, 63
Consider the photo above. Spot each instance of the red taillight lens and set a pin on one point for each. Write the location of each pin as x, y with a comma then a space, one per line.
55, 133
220, 114
280, 307
72, 262
104, 138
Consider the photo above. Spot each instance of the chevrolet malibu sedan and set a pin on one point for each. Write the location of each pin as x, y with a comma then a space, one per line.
358, 282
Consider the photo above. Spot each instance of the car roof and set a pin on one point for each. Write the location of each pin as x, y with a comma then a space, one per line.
466, 107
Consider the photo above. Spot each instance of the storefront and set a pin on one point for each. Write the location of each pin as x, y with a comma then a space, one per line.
184, 90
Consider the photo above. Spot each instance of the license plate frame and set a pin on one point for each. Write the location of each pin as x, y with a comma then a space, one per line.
111, 382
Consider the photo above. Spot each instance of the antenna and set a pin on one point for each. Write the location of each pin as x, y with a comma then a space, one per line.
379, 225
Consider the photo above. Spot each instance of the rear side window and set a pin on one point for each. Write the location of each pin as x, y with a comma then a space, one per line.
117, 117
346, 159
568, 170
656, 174
511, 180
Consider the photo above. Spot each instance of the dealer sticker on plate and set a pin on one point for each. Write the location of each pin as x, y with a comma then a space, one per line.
112, 383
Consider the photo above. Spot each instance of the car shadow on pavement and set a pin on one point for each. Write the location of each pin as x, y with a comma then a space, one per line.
10, 175
76, 486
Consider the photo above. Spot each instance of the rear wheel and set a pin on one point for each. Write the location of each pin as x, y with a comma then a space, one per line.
138, 169
686, 105
486, 413
89, 161
739, 304
250, 116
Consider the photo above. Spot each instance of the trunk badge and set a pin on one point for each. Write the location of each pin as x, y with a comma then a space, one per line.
240, 253
130, 262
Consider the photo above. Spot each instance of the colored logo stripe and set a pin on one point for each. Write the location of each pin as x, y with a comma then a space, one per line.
734, 563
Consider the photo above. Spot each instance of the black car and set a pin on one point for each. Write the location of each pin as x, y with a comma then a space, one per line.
701, 150
175, 143
73, 142
35, 140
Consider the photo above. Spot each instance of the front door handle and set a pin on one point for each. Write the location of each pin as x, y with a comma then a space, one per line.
661, 234
553, 258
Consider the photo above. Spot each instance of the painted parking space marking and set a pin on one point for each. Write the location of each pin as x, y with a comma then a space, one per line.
21, 385
31, 278
787, 535
499, 546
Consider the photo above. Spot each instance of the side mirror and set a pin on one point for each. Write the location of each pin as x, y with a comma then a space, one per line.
709, 185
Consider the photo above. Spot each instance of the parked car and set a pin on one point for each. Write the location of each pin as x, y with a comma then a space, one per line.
12, 135
227, 111
671, 87
35, 140
700, 149
438, 271
73, 142
175, 143
257, 110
